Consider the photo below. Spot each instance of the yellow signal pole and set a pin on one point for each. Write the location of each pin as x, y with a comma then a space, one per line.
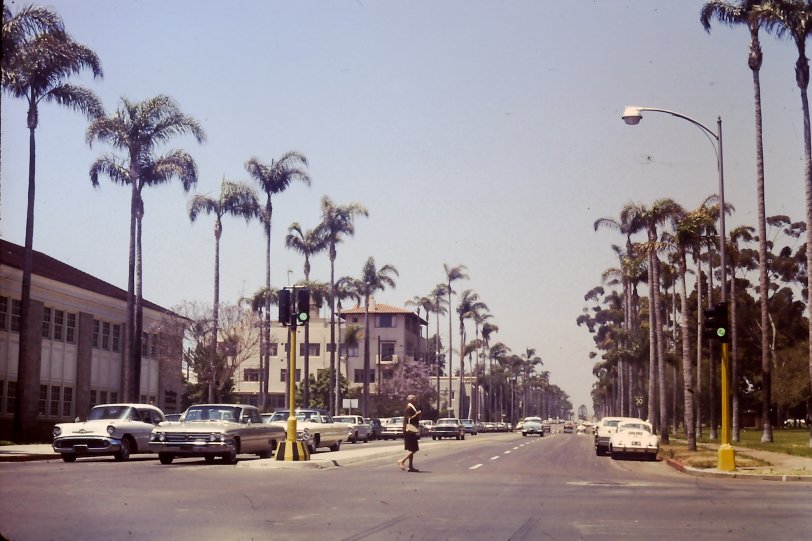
292, 450
727, 456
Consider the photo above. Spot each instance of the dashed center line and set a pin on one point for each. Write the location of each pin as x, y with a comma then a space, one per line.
475, 467
494, 457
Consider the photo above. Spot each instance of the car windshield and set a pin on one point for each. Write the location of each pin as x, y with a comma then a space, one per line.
610, 423
634, 426
114, 412
344, 420
212, 413
448, 422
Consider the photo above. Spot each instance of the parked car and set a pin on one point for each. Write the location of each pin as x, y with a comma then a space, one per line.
568, 427
392, 428
425, 427
212, 430
375, 427
469, 426
173, 417
111, 429
315, 427
359, 429
634, 437
532, 425
447, 428
604, 430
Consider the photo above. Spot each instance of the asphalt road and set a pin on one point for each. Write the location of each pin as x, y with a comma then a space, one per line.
488, 487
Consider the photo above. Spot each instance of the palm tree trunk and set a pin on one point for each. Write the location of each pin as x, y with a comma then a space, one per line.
660, 352
734, 363
450, 351
366, 357
265, 371
651, 406
139, 307
687, 372
437, 360
803, 83
333, 328
699, 327
215, 307
28, 368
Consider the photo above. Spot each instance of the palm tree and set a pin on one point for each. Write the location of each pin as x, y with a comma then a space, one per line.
338, 221
346, 288
488, 329
38, 58
793, 18
438, 300
751, 13
273, 179
468, 308
137, 129
641, 217
307, 243
236, 199
372, 280
452, 274
529, 363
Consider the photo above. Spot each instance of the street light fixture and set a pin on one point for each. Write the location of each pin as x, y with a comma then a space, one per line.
632, 115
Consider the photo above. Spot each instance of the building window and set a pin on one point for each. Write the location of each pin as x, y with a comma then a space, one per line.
11, 395
358, 375
105, 335
117, 338
46, 323
113, 397
55, 398
3, 313
283, 374
93, 401
250, 374
385, 321
43, 398
387, 351
59, 324
67, 401
103, 397
315, 350
153, 346
16, 314
70, 329
144, 345
96, 325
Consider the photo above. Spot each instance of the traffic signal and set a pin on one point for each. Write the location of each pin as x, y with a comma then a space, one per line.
284, 307
302, 305
716, 325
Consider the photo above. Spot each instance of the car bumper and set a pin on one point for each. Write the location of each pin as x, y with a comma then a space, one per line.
192, 448
635, 450
87, 446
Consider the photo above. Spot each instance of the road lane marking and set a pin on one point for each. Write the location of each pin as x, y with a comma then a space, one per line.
494, 457
475, 467
507, 452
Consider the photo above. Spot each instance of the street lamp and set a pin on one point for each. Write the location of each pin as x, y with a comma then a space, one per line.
632, 115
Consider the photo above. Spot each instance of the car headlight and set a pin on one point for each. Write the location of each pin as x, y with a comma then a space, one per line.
157, 436
57, 431
111, 429
215, 437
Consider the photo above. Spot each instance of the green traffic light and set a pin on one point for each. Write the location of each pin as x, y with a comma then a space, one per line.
303, 317
721, 332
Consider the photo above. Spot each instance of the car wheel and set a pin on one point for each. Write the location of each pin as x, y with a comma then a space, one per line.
124, 452
366, 440
463, 437
336, 446
524, 433
231, 456
166, 458
266, 453
209, 459
69, 457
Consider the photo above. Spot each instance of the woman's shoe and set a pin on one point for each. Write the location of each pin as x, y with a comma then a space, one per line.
414, 469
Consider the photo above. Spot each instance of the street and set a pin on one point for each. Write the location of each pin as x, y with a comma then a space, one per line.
487, 487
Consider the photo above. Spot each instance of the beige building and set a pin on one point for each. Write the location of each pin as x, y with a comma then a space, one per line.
77, 323
395, 334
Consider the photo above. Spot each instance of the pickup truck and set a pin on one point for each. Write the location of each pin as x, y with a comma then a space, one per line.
359, 429
315, 427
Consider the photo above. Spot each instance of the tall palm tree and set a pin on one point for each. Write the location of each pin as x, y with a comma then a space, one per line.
452, 274
136, 129
307, 243
529, 363
793, 19
488, 329
372, 280
236, 199
273, 179
346, 288
38, 58
752, 13
337, 222
468, 308
438, 307
649, 219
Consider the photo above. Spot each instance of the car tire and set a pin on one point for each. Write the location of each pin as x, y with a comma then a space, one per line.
166, 458
336, 446
123, 453
69, 457
267, 452
524, 433
463, 437
231, 456
209, 459
366, 440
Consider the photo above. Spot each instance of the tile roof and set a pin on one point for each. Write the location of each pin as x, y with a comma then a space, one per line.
46, 266
378, 308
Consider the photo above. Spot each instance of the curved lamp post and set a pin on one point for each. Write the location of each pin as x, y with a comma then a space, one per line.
632, 115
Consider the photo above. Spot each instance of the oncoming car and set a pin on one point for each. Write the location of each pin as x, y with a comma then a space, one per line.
634, 437
532, 425
110, 429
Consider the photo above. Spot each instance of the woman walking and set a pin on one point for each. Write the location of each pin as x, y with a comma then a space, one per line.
411, 428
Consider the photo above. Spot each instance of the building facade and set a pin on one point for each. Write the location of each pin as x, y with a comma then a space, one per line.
77, 328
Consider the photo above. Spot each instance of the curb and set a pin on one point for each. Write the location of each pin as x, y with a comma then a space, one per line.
699, 472
28, 458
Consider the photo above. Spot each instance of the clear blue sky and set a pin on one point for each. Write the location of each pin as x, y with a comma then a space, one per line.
478, 133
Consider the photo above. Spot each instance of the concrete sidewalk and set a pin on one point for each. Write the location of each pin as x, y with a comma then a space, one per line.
781, 467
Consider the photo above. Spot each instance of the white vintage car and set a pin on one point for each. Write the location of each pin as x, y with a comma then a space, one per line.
532, 425
212, 430
315, 427
111, 429
604, 430
359, 430
634, 437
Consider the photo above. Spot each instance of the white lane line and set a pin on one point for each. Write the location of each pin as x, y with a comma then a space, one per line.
507, 452
517, 447
494, 457
475, 467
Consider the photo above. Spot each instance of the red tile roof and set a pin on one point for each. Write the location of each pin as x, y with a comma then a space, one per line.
378, 308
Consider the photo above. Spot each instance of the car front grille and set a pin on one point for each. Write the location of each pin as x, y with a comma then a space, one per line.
185, 437
82, 442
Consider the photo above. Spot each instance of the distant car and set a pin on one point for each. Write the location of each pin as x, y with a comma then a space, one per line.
425, 427
546, 427
392, 428
375, 427
634, 437
212, 430
173, 417
532, 425
447, 428
568, 427
359, 429
111, 429
469, 426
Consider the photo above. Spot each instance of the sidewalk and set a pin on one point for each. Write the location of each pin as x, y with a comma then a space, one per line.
782, 467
